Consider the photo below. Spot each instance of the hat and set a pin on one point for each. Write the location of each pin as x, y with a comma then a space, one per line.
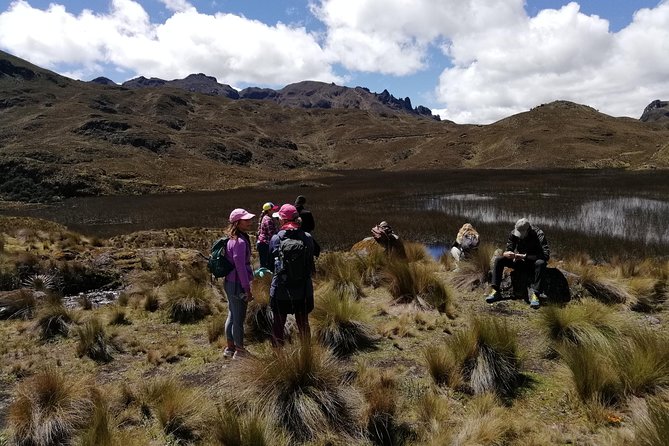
288, 212
300, 200
522, 226
240, 214
269, 206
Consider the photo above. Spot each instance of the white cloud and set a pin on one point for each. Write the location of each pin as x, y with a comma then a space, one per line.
177, 5
230, 47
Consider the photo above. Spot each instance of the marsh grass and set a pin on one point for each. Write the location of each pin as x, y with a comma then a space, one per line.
584, 322
481, 358
301, 387
53, 319
178, 408
343, 273
94, 342
233, 426
48, 409
342, 324
18, 304
187, 301
416, 283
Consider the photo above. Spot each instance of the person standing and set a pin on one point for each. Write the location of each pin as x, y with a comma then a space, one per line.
527, 248
292, 290
266, 229
308, 223
238, 281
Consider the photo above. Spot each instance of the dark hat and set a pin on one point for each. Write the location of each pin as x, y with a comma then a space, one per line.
522, 226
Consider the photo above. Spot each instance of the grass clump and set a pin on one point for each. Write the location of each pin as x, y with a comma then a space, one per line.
53, 319
258, 312
341, 323
370, 264
643, 362
343, 273
94, 342
301, 387
233, 427
474, 271
187, 302
416, 283
593, 377
583, 322
118, 317
17, 304
216, 328
482, 358
605, 287
652, 425
48, 410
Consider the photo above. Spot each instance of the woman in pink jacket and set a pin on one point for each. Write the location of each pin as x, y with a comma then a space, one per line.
238, 282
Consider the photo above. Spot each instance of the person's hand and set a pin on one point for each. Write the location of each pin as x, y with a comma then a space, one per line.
520, 256
508, 254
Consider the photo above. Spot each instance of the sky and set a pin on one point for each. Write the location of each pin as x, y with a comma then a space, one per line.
470, 61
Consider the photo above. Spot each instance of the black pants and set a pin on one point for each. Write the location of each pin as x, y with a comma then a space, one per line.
535, 271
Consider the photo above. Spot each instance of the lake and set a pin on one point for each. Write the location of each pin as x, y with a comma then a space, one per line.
603, 213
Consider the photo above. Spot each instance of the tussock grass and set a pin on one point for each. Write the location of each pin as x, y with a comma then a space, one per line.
643, 362
380, 390
341, 323
416, 283
216, 328
301, 387
605, 287
481, 358
94, 341
167, 268
100, 428
486, 423
585, 322
186, 301
17, 304
434, 415
342, 272
474, 271
177, 407
416, 252
650, 294
48, 410
258, 312
234, 427
118, 316
402, 326
652, 424
53, 319
370, 266
593, 377
151, 301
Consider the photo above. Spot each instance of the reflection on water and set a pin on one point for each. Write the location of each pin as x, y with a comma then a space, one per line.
629, 218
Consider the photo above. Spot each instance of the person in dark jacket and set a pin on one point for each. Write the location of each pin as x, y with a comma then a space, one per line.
285, 297
527, 248
308, 223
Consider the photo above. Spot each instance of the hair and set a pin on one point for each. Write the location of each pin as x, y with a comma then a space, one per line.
233, 230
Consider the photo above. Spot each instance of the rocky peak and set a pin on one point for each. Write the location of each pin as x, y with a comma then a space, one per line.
656, 111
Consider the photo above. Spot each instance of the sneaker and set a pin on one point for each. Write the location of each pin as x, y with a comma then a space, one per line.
239, 354
534, 301
493, 297
228, 352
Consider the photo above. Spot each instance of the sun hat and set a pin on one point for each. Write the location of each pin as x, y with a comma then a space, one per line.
240, 214
522, 226
269, 206
288, 212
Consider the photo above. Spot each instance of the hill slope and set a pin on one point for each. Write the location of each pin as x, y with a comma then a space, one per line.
63, 137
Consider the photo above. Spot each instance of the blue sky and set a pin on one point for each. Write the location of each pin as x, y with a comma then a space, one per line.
471, 61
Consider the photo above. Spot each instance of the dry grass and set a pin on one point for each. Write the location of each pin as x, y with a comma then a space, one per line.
605, 287
18, 304
48, 410
417, 284
232, 426
258, 312
94, 342
53, 319
475, 271
342, 272
216, 328
301, 387
186, 301
370, 266
652, 424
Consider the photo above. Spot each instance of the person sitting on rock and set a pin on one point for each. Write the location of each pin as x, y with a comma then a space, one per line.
385, 236
466, 241
527, 248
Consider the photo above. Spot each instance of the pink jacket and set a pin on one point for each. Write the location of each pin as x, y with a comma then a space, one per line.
239, 252
267, 229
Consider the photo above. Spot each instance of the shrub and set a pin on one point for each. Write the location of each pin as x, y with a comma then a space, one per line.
94, 342
417, 283
48, 410
53, 319
587, 321
483, 357
177, 408
19, 304
187, 302
342, 272
300, 386
341, 324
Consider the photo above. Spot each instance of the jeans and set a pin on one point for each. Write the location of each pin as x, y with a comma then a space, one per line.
234, 324
535, 271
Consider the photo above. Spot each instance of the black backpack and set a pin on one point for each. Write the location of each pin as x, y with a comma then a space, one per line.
218, 264
294, 261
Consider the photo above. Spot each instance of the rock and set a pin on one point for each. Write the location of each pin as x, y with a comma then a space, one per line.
656, 111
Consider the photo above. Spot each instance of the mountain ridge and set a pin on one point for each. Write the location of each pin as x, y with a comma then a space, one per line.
61, 137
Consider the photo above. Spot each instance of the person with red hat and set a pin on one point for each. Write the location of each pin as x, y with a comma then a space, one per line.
292, 289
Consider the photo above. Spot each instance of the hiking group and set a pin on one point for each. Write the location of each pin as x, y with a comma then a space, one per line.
286, 249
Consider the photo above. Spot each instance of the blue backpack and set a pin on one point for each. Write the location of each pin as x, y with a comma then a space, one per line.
218, 264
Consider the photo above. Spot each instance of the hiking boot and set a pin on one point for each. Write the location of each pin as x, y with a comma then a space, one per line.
228, 352
493, 297
534, 301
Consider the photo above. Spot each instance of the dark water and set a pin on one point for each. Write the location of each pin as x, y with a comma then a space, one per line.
602, 213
